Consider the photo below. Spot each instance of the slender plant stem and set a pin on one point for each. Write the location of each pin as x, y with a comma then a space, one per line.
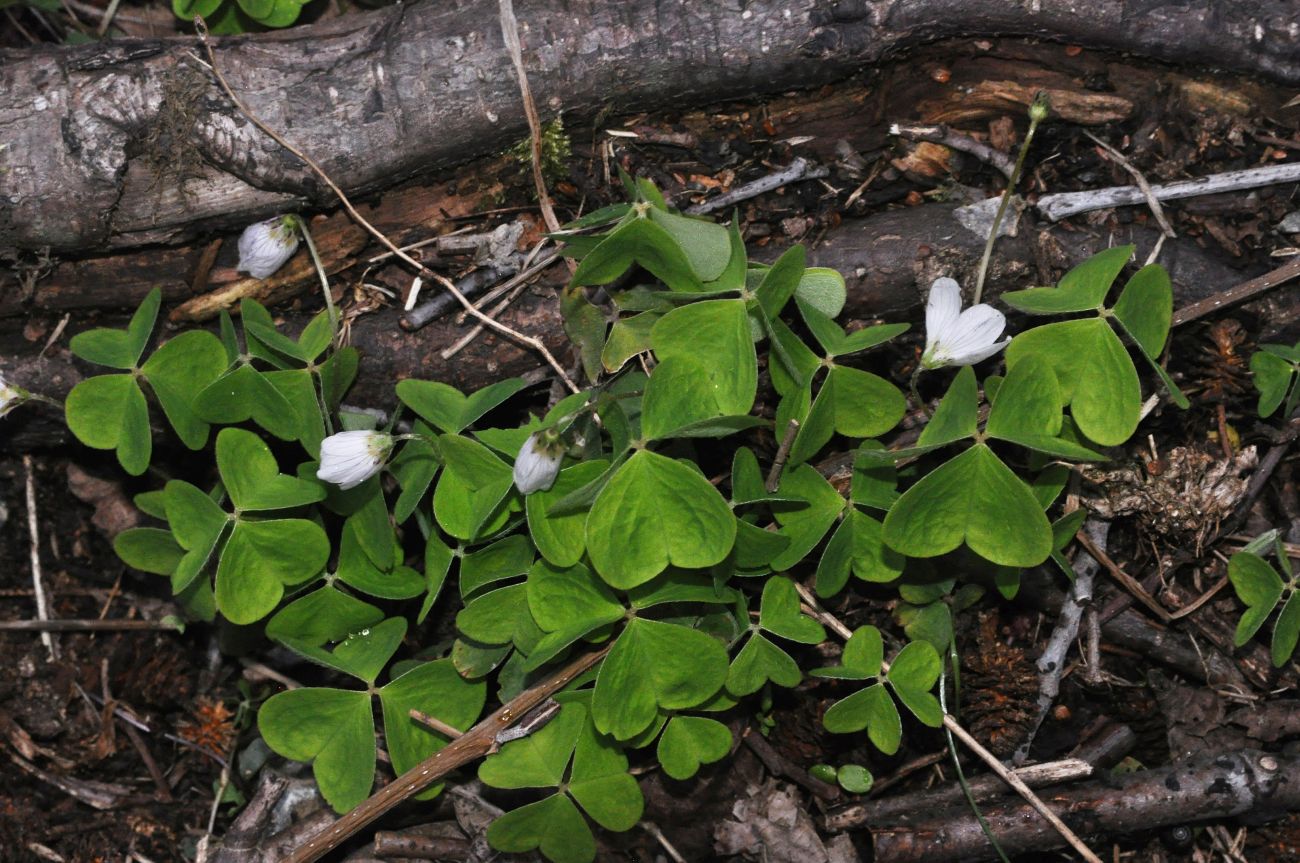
1037, 112
324, 280
956, 762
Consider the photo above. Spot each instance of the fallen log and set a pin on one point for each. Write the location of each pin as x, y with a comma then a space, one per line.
887, 260
130, 142
1201, 789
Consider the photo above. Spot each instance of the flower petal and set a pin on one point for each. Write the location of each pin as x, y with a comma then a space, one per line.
942, 311
976, 329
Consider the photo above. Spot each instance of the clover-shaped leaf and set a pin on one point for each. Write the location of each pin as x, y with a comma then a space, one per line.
326, 614
1082, 289
149, 549
450, 410
1275, 377
640, 241
705, 243
110, 412
691, 741
333, 730
356, 569
598, 780
857, 546
260, 559
252, 477
1027, 411
1144, 310
120, 349
244, 393
851, 402
562, 538
655, 665
976, 499
912, 675
811, 507
435, 688
654, 512
177, 372
759, 661
779, 613
1258, 586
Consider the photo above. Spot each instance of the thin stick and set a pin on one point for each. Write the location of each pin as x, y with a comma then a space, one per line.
45, 626
782, 453
510, 32
1152, 201
38, 587
424, 271
941, 134
1058, 206
470, 746
1037, 111
436, 724
1130, 583
1008, 776
799, 169
1237, 294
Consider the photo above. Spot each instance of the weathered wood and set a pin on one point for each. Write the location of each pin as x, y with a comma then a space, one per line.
130, 142
887, 260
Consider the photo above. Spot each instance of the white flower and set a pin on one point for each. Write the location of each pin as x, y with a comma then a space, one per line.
350, 458
265, 246
10, 396
538, 463
957, 338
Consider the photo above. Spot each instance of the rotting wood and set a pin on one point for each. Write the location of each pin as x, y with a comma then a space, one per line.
1217, 785
429, 85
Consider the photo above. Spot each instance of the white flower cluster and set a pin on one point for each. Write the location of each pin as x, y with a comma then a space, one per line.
265, 246
349, 458
959, 338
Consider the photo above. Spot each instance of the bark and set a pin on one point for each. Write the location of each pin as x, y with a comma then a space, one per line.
887, 260
1201, 789
130, 142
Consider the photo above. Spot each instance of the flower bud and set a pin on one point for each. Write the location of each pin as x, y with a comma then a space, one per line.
1040, 107
539, 462
349, 458
11, 396
265, 246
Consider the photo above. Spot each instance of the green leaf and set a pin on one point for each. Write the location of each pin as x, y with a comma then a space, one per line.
869, 708
561, 539
912, 675
1081, 289
758, 662
253, 478
1286, 631
372, 529
643, 242
779, 613
415, 466
705, 243
654, 512
854, 778
957, 416
756, 548
446, 408
805, 522
655, 665
1273, 376
434, 688
691, 741
177, 372
678, 586
1146, 307
601, 784
197, 523
149, 549
1258, 586
853, 403
781, 281
627, 338
538, 760
562, 597
706, 343
120, 349
976, 499
110, 412
552, 825
1096, 376
506, 558
299, 389
490, 618
322, 616
794, 363
358, 570
260, 559
244, 393
822, 288
333, 730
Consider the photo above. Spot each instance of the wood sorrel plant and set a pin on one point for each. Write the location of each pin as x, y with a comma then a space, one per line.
620, 538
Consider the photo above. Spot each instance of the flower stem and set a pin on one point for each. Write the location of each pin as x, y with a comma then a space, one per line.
916, 393
324, 281
1037, 111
